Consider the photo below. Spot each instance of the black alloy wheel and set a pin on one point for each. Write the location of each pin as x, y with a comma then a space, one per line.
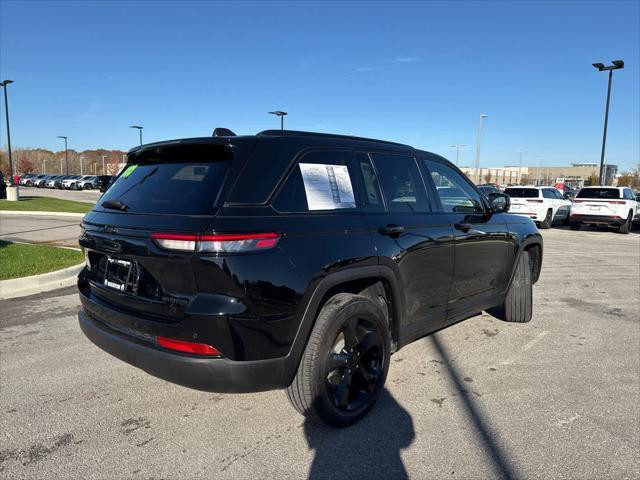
354, 365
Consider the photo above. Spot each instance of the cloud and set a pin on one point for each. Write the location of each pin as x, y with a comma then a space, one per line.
405, 59
369, 69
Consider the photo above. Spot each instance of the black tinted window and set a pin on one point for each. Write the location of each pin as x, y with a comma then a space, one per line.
516, 192
455, 193
548, 193
321, 180
179, 181
401, 183
599, 193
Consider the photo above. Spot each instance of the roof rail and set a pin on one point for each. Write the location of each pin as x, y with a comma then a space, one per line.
296, 133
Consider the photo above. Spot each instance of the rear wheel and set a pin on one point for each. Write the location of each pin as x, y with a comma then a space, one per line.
546, 223
345, 364
518, 304
626, 227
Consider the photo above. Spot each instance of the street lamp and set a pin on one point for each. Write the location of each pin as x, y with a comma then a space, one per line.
616, 64
44, 165
520, 152
4, 83
457, 147
539, 175
139, 130
103, 170
66, 156
280, 114
81, 162
482, 116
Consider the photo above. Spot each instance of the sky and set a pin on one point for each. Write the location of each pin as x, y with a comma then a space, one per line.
419, 73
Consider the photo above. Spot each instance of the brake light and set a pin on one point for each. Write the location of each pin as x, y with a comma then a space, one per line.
218, 243
535, 201
616, 202
187, 347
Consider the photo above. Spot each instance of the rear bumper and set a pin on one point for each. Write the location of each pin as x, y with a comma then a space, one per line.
200, 373
610, 220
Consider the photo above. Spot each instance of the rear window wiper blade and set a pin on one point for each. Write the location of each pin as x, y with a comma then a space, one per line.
115, 204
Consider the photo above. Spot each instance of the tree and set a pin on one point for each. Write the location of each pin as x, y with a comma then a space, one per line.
487, 177
630, 179
23, 163
592, 180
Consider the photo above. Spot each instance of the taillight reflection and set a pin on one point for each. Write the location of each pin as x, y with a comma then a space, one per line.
217, 243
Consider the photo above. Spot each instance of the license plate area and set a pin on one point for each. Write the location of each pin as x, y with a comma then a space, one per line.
594, 207
121, 275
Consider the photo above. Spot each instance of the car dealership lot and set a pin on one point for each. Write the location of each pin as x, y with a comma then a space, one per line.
556, 397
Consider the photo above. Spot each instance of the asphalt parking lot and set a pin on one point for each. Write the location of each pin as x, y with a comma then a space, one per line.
556, 398
89, 196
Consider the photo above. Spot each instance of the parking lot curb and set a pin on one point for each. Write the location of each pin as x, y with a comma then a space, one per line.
46, 214
45, 282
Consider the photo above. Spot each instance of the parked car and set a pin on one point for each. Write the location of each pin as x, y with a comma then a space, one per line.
608, 206
41, 181
211, 268
3, 187
88, 182
27, 179
104, 182
543, 205
488, 189
54, 181
70, 182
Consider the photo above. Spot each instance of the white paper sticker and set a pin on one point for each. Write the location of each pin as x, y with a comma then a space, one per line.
328, 187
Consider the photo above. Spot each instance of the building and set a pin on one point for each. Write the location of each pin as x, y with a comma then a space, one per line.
576, 175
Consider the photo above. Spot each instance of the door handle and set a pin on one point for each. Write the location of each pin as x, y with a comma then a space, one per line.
464, 226
391, 230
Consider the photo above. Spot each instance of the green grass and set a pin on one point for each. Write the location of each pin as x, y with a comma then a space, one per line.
46, 204
22, 260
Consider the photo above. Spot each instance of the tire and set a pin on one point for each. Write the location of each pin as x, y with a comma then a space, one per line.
335, 384
567, 219
546, 223
575, 225
87, 186
518, 303
626, 226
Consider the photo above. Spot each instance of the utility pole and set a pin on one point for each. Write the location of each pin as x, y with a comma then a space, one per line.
44, 165
66, 155
520, 152
616, 64
4, 84
81, 161
457, 147
103, 170
477, 166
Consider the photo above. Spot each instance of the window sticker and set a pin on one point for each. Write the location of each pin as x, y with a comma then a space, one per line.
129, 170
328, 187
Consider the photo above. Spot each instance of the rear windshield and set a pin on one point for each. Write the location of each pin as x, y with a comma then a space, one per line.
183, 180
522, 192
599, 193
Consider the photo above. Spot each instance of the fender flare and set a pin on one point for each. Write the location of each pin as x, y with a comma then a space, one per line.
308, 318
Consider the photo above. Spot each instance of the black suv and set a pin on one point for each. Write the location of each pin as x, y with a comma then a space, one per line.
293, 260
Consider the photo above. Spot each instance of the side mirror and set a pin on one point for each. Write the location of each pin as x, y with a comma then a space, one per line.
499, 202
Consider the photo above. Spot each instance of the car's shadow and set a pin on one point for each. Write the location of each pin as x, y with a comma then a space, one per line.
369, 449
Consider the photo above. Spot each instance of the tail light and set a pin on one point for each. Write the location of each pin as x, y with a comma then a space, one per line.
217, 243
188, 347
616, 202
534, 201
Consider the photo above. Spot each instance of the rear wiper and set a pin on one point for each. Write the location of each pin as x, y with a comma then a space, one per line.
115, 204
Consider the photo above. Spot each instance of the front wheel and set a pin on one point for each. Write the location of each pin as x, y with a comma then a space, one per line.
518, 303
345, 363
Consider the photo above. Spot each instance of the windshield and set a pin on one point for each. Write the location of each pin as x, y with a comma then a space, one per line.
182, 180
522, 192
599, 193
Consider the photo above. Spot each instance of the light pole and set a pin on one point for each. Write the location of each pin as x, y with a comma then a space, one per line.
139, 131
616, 64
520, 152
482, 116
44, 165
66, 156
95, 169
4, 83
457, 147
81, 161
539, 175
280, 114
103, 170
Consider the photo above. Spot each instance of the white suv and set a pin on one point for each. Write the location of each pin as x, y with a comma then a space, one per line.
543, 205
610, 206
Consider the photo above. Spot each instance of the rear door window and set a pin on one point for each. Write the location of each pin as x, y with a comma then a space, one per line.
401, 183
321, 180
183, 180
